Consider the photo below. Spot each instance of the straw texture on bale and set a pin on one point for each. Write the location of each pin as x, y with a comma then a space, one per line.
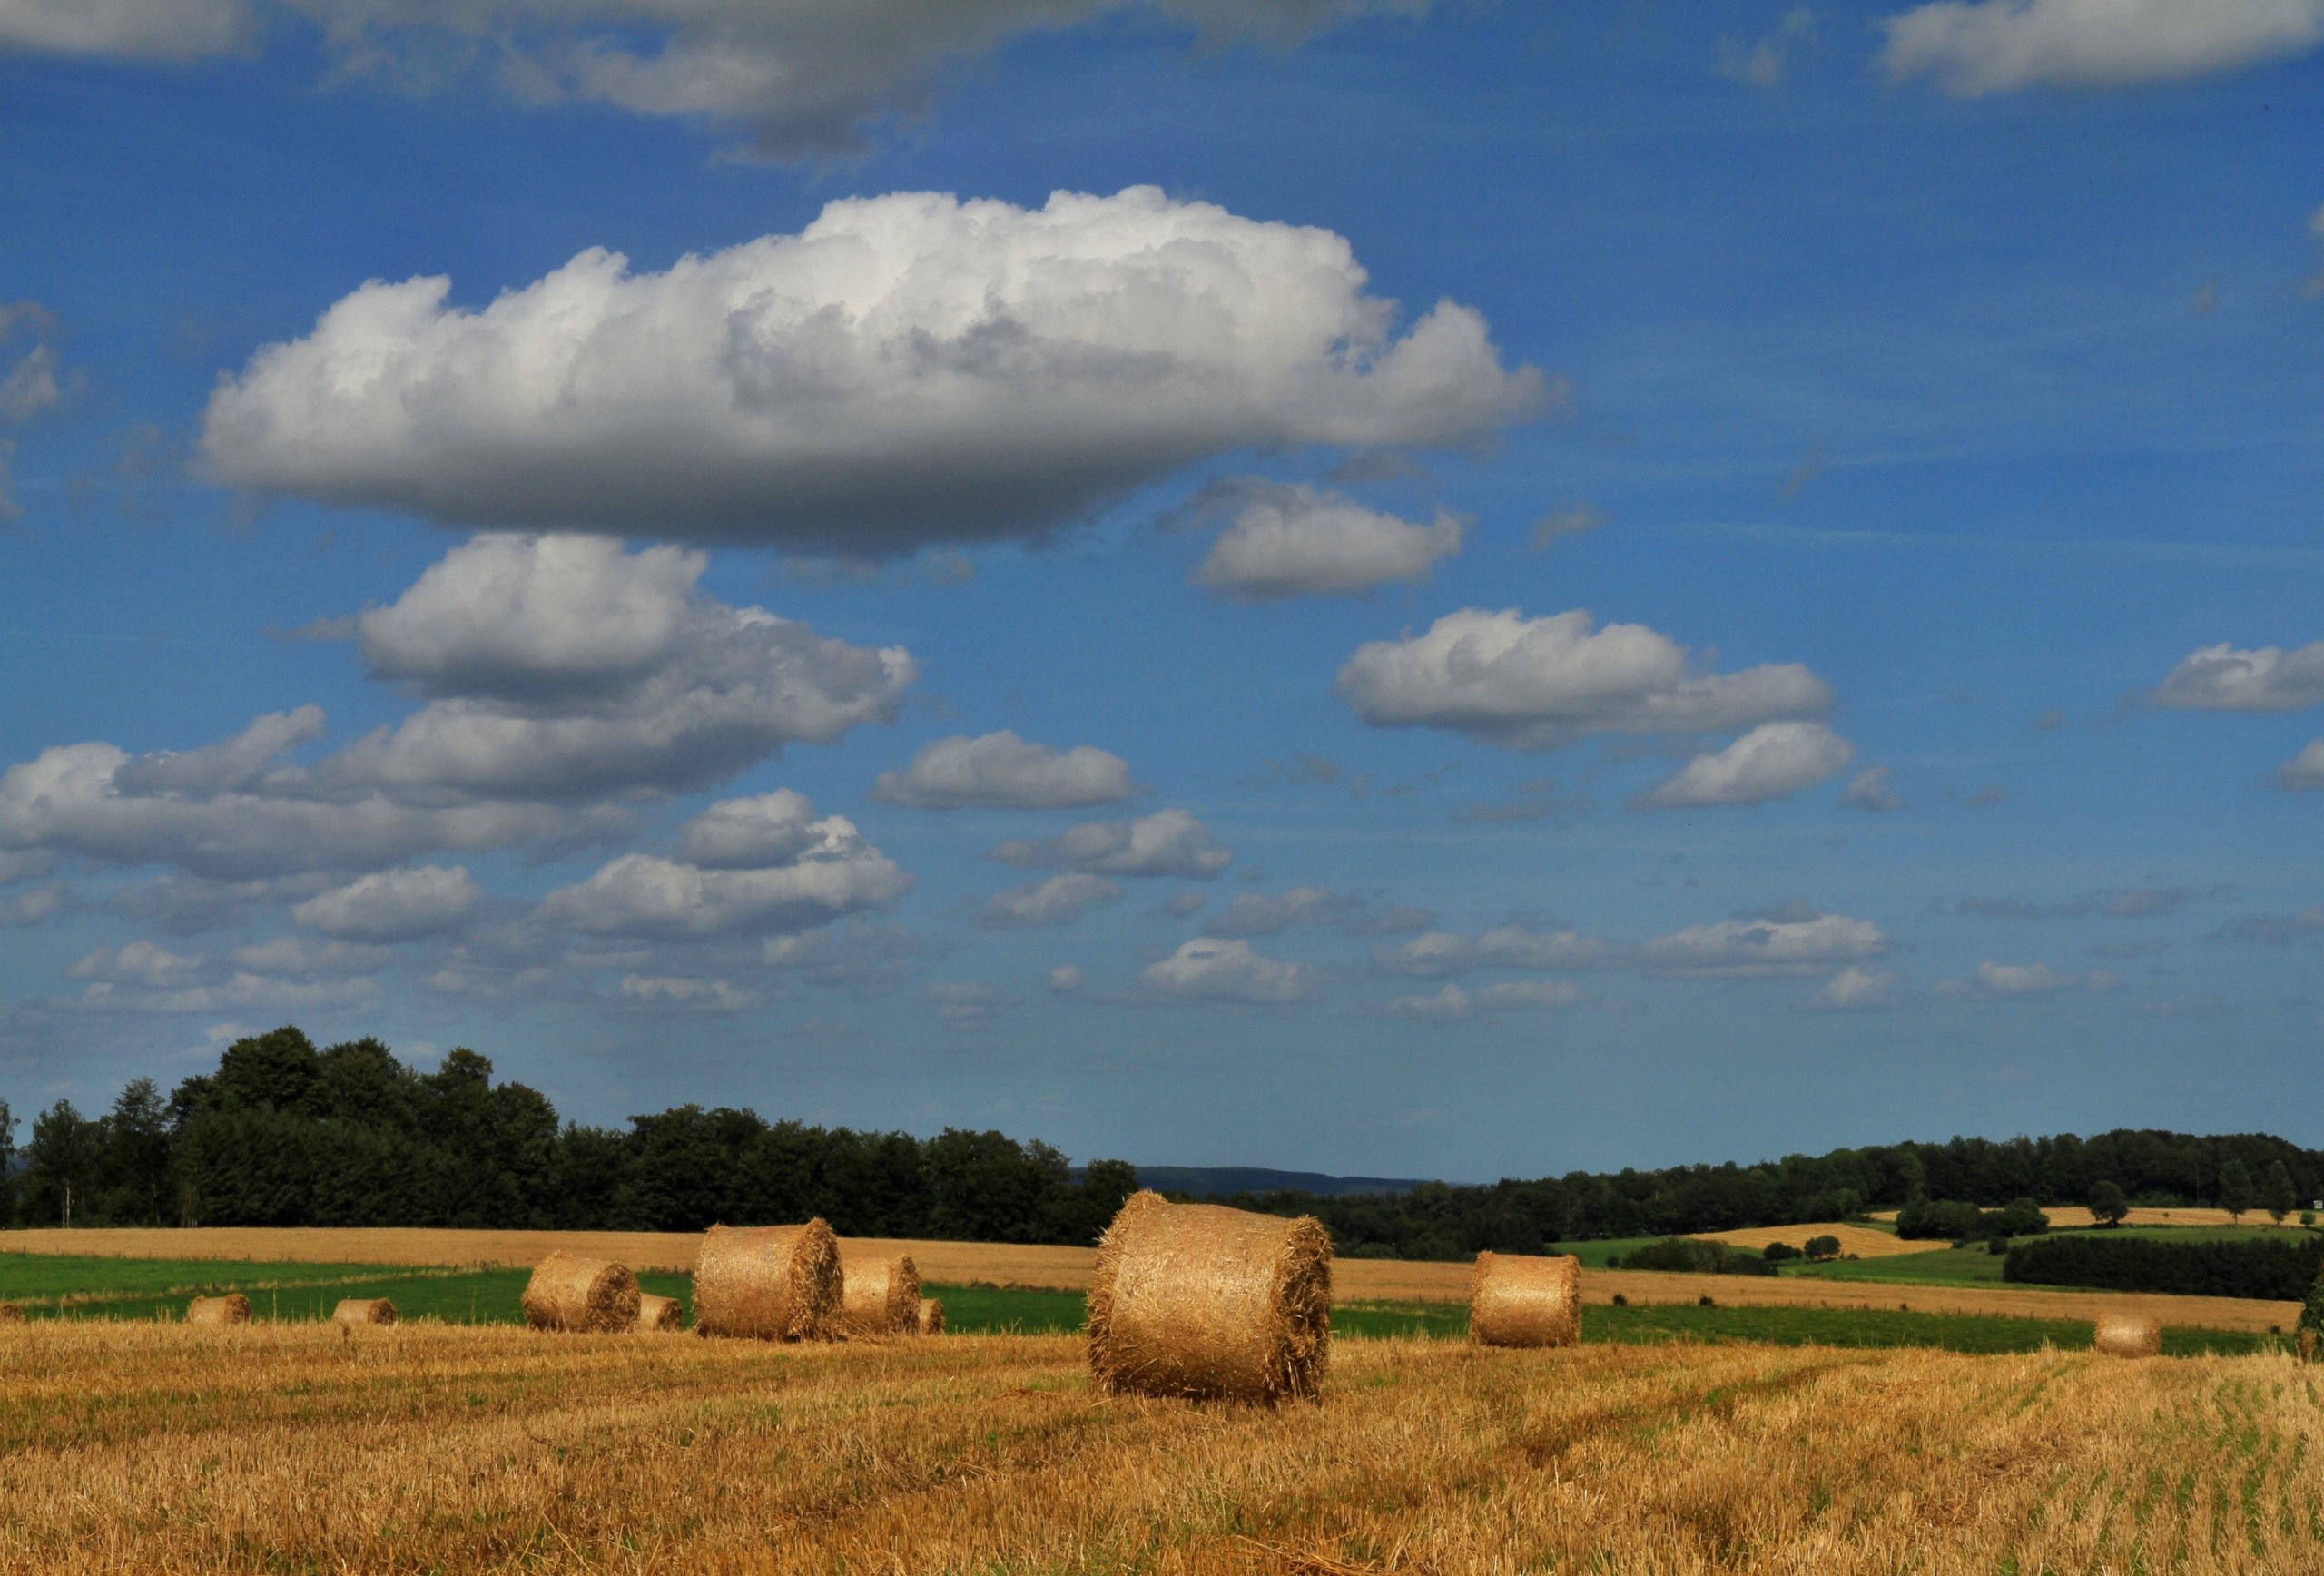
363, 1311
928, 1317
1201, 1301
768, 1283
1521, 1300
233, 1308
655, 1313
568, 1291
2128, 1335
879, 1295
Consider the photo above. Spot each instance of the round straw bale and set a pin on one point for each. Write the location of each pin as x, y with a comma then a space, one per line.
233, 1308
928, 1319
2128, 1335
1519, 1300
363, 1311
1199, 1300
880, 1293
568, 1291
10, 1314
656, 1313
770, 1282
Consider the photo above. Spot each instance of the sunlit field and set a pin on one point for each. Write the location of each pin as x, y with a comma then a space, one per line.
428, 1447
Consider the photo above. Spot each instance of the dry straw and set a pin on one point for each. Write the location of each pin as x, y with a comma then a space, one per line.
656, 1313
928, 1317
363, 1311
568, 1291
1203, 1301
2128, 1335
1518, 1300
233, 1308
10, 1314
880, 1294
770, 1282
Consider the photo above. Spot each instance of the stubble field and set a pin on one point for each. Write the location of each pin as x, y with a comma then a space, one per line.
161, 1449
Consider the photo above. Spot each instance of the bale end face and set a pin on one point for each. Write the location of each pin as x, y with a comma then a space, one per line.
879, 1295
1522, 1300
658, 1313
363, 1311
233, 1308
570, 1293
1204, 1302
2128, 1335
768, 1283
928, 1317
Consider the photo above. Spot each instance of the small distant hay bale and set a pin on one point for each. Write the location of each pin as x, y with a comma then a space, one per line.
363, 1311
768, 1283
11, 1313
590, 1295
1522, 1300
657, 1313
2128, 1335
928, 1319
233, 1308
879, 1294
1201, 1301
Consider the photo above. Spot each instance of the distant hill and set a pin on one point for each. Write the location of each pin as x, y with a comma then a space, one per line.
1216, 1181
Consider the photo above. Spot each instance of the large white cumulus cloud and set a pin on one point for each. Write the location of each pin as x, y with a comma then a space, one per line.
799, 75
909, 369
1540, 683
2000, 45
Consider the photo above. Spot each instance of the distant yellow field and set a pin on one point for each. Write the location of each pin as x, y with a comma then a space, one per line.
1068, 1269
165, 1451
1862, 1241
2070, 1215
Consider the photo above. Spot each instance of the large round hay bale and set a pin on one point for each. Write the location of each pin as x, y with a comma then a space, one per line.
928, 1319
2128, 1335
658, 1313
568, 1291
1520, 1300
769, 1283
233, 1308
879, 1294
1202, 1301
363, 1311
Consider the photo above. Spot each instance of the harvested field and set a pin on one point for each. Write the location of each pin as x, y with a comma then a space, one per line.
971, 1264
1860, 1240
2073, 1215
152, 1449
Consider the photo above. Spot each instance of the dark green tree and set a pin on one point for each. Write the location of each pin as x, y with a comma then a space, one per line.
2236, 1192
2277, 1196
2108, 1205
61, 1166
133, 1182
273, 1072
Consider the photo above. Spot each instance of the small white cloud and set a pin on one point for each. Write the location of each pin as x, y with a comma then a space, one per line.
677, 993
1855, 989
1228, 970
304, 958
1537, 683
1769, 762
140, 963
2001, 45
1298, 541
1576, 520
1169, 843
1184, 905
1791, 940
1059, 900
2304, 772
837, 874
1439, 954
1762, 62
1067, 978
1511, 995
1272, 913
2007, 982
35, 907
30, 387
755, 833
1002, 772
394, 905
2221, 678
1450, 1001
1873, 790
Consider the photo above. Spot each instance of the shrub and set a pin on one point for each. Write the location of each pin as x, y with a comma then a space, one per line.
2020, 1217
1686, 1254
2285, 1271
1925, 1219
1822, 1247
1777, 1252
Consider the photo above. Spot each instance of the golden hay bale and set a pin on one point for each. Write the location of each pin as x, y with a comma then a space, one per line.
879, 1294
233, 1308
1199, 1300
928, 1319
568, 1291
363, 1311
656, 1313
2128, 1335
1519, 1300
770, 1282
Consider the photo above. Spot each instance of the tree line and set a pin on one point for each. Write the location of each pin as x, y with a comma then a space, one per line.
283, 1133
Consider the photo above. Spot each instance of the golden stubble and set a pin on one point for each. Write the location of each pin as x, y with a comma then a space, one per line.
426, 1447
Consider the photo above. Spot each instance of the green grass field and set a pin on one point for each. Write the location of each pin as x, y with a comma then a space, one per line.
1946, 1267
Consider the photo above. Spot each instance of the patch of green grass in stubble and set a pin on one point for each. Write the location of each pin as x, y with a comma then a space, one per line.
148, 1289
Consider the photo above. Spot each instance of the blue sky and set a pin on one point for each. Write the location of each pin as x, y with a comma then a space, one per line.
1477, 597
